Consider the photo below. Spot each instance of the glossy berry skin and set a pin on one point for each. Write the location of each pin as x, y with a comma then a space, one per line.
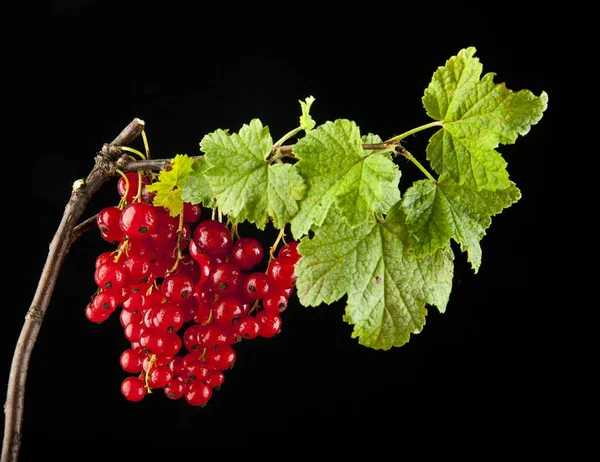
225, 279
177, 287
191, 212
108, 224
211, 336
197, 393
215, 379
212, 238
227, 311
222, 358
175, 389
97, 315
281, 272
290, 250
247, 328
133, 389
255, 286
105, 300
110, 275
269, 324
138, 220
275, 301
246, 253
160, 376
131, 360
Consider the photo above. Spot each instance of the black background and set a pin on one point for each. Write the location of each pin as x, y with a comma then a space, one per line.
79, 72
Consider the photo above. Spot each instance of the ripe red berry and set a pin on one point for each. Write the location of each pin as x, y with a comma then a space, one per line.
269, 324
160, 376
197, 393
276, 301
225, 279
131, 360
138, 220
191, 212
108, 224
290, 250
212, 238
255, 286
281, 272
177, 287
96, 315
246, 252
247, 328
110, 275
175, 389
227, 311
133, 389
222, 358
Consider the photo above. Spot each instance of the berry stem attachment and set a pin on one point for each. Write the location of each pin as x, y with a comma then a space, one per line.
280, 237
151, 363
178, 246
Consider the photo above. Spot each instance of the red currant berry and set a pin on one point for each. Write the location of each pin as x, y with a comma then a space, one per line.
270, 324
133, 389
281, 272
110, 275
131, 360
105, 300
222, 358
247, 328
226, 279
290, 250
255, 286
246, 252
275, 302
138, 220
191, 212
212, 237
97, 315
215, 379
177, 287
175, 389
197, 393
211, 335
160, 376
108, 223
227, 311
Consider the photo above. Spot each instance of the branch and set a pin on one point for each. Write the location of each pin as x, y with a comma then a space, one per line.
82, 192
160, 164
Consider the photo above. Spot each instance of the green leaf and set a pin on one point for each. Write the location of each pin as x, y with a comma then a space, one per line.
244, 185
306, 121
437, 213
196, 189
170, 183
387, 287
477, 116
337, 171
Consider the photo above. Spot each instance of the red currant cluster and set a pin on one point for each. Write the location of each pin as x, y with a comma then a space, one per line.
186, 291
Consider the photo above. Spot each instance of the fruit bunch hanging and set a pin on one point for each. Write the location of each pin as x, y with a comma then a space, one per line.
186, 288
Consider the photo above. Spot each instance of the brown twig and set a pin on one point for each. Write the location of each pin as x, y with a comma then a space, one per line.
82, 192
